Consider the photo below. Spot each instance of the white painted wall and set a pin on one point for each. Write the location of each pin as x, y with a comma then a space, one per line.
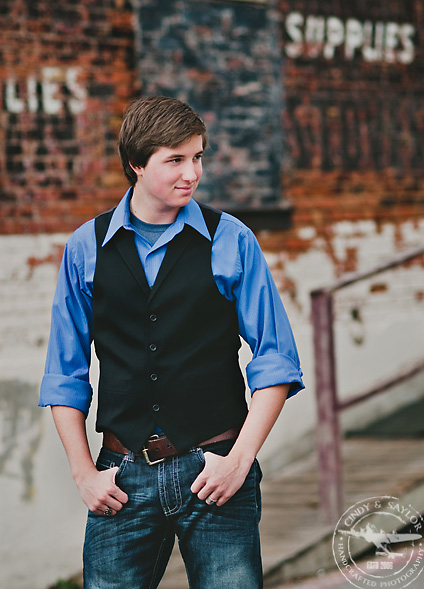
393, 327
42, 516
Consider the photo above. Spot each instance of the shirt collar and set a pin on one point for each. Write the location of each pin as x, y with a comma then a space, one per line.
191, 215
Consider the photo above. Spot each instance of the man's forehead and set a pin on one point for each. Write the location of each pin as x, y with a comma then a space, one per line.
194, 144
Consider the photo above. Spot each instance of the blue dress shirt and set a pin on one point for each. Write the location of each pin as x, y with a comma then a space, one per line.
241, 274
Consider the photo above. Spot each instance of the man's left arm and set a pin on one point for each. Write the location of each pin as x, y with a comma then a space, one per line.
222, 476
242, 275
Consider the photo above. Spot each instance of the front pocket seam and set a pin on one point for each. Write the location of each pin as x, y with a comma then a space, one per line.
122, 466
200, 456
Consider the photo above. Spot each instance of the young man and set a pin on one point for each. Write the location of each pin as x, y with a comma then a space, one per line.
165, 287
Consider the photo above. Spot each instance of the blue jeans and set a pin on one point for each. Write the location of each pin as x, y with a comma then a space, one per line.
219, 545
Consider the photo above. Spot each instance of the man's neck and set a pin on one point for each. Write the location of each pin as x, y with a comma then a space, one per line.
144, 210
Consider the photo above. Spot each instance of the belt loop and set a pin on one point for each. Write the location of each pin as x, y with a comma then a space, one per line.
130, 456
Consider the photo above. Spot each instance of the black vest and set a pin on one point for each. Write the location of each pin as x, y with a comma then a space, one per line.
168, 354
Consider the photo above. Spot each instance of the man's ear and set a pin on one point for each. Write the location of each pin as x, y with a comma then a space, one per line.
139, 170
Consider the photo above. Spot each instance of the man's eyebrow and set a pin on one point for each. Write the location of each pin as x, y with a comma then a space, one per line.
201, 152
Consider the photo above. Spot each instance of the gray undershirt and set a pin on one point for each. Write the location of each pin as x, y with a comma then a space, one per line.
148, 230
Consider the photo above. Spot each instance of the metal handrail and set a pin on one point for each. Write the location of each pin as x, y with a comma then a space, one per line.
351, 277
328, 404
382, 386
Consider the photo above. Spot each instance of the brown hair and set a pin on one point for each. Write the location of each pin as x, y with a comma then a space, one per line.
152, 122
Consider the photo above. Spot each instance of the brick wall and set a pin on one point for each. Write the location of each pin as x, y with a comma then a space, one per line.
353, 118
224, 59
318, 103
66, 73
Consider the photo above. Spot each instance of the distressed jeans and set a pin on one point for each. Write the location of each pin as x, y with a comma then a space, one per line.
219, 545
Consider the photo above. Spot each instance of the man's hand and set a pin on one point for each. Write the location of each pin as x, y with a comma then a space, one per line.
100, 492
98, 489
220, 479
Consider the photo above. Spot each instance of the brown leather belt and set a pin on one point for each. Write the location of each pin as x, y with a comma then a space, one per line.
160, 447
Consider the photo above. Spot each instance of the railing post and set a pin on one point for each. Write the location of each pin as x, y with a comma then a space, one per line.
328, 430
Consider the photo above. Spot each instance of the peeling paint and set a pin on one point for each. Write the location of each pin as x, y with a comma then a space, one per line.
378, 287
54, 257
357, 328
20, 433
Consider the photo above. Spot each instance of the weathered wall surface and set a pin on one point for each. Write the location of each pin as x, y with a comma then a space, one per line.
353, 118
317, 103
42, 518
352, 166
66, 74
224, 59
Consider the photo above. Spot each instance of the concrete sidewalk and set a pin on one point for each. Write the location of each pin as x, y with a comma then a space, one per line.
295, 543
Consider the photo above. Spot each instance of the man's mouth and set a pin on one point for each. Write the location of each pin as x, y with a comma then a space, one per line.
185, 188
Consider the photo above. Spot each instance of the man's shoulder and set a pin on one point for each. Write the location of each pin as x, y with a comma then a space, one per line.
225, 219
104, 215
102, 222
231, 227
83, 237
87, 229
235, 222
83, 230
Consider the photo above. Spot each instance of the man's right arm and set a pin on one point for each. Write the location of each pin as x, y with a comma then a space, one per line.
66, 386
97, 488
66, 378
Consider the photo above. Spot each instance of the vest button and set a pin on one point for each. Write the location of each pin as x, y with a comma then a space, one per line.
153, 347
153, 377
153, 317
155, 407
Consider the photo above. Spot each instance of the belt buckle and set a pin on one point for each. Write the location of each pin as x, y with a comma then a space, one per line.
146, 453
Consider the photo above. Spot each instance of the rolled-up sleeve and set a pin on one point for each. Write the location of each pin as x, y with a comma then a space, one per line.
59, 389
66, 376
245, 277
272, 369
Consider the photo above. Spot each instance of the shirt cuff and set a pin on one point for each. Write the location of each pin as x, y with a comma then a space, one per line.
58, 389
274, 369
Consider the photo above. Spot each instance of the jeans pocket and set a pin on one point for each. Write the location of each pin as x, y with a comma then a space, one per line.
108, 459
122, 467
200, 455
103, 464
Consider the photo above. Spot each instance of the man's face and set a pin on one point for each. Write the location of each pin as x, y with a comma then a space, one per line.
169, 179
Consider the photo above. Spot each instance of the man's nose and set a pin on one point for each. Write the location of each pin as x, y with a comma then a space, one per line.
190, 173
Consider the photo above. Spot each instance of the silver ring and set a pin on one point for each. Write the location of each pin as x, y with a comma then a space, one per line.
210, 501
107, 512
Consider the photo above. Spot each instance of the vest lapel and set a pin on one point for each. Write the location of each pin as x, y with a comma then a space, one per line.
174, 251
124, 243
